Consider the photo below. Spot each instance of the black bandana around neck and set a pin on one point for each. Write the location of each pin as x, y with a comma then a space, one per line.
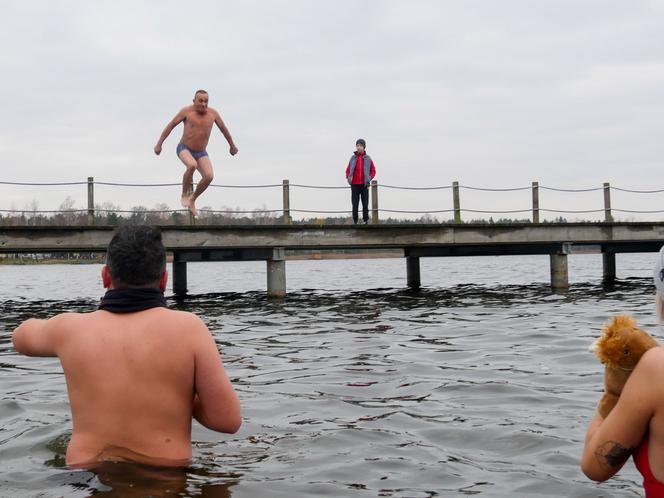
131, 300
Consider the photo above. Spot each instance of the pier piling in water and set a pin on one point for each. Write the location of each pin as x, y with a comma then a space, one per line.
179, 277
608, 267
559, 272
413, 272
276, 273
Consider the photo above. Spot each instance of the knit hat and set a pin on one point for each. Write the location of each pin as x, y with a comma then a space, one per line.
360, 141
658, 272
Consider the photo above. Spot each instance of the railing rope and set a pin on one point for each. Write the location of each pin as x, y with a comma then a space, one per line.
286, 209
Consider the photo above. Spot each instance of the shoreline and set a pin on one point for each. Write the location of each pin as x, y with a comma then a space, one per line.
290, 256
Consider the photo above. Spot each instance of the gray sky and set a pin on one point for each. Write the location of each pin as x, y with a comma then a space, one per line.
491, 94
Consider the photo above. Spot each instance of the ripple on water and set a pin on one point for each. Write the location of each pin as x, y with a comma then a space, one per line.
465, 390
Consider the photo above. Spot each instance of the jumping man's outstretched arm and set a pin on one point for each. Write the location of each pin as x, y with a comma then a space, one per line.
222, 127
179, 117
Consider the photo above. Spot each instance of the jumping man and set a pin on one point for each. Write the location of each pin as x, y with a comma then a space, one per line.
198, 119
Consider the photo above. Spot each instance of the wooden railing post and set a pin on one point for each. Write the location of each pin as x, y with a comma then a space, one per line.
91, 200
457, 202
374, 202
536, 213
190, 192
607, 203
286, 217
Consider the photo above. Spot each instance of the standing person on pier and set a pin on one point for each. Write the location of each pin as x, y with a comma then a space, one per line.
635, 426
198, 120
359, 173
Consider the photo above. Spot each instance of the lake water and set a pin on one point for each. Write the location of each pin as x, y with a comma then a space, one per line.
480, 384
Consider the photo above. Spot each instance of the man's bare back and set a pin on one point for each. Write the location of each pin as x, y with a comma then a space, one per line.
198, 119
135, 380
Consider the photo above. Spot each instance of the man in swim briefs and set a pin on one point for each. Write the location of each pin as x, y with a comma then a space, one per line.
198, 120
136, 371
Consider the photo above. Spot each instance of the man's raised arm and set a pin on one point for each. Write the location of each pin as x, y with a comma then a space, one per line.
179, 117
224, 130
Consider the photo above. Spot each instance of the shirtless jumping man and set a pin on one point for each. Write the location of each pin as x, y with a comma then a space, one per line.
136, 371
198, 120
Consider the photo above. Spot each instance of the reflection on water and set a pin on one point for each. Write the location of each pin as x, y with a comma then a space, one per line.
452, 391
124, 480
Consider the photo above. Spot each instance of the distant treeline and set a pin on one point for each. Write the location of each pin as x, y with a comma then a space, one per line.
163, 215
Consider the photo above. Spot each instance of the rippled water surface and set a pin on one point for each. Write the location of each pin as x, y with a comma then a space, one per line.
480, 384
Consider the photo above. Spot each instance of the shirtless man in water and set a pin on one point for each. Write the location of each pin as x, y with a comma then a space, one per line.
136, 371
198, 120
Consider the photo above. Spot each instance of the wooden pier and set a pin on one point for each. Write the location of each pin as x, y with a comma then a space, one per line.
269, 243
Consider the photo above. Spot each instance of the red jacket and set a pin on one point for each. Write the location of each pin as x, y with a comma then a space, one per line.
358, 174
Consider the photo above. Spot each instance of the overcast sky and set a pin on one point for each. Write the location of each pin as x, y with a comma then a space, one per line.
494, 94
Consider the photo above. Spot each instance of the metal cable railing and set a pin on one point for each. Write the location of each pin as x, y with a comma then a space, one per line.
286, 210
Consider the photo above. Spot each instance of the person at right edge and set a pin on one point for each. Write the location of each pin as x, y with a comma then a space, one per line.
635, 426
359, 173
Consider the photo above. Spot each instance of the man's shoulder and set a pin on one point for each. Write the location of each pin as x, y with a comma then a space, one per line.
179, 316
186, 110
66, 318
653, 359
173, 316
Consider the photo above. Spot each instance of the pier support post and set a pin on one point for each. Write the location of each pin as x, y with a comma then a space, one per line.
413, 272
374, 202
608, 267
91, 200
276, 273
179, 277
559, 272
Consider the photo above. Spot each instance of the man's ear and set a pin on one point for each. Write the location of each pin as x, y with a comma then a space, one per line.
163, 281
106, 277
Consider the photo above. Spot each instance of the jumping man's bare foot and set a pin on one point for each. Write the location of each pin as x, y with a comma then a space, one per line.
192, 207
184, 200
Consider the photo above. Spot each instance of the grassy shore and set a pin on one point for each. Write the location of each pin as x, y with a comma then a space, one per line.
30, 261
290, 256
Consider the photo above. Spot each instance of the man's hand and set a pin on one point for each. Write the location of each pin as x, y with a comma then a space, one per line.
157, 149
349, 180
233, 150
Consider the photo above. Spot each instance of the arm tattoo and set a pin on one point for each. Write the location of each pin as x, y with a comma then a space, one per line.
612, 454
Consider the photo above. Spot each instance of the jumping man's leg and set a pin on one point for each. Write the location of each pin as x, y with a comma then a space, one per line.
204, 167
188, 177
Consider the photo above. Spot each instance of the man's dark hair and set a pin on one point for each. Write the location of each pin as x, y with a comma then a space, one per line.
199, 91
136, 256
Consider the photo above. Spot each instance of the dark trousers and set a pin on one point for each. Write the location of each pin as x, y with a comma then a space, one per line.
357, 192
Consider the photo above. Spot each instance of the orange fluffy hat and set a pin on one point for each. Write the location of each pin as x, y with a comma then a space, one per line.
619, 348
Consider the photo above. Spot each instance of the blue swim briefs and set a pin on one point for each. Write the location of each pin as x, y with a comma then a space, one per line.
196, 153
